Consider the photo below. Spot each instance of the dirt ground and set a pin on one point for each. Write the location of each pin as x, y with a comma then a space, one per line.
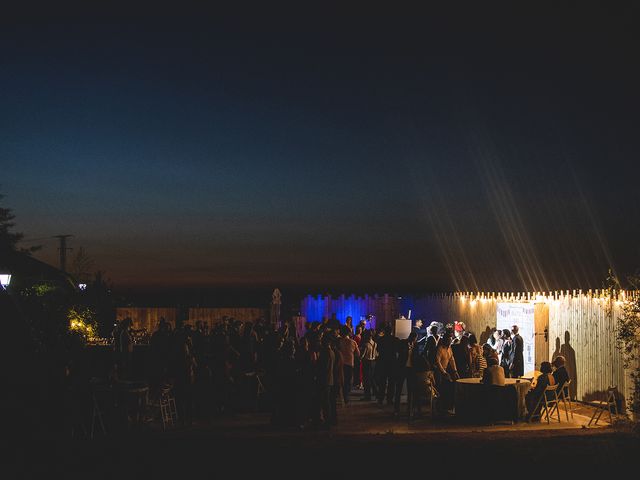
367, 439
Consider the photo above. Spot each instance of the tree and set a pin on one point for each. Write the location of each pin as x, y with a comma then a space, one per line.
628, 337
82, 266
8, 239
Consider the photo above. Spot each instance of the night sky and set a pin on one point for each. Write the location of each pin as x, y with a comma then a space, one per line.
467, 149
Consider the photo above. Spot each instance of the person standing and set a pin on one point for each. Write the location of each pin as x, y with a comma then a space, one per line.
405, 373
369, 356
478, 361
462, 356
387, 353
431, 345
496, 343
507, 348
357, 363
349, 324
325, 377
349, 350
446, 373
126, 347
517, 355
421, 335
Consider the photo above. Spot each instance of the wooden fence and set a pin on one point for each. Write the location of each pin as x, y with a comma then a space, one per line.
580, 326
147, 317
212, 316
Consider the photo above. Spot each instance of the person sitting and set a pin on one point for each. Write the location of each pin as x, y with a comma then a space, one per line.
560, 373
542, 382
493, 374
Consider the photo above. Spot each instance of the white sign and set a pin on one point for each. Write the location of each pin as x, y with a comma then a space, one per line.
520, 314
403, 328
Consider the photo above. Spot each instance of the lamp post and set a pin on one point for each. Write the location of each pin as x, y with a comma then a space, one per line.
5, 280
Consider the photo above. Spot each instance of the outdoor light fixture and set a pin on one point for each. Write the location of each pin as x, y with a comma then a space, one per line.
82, 286
5, 280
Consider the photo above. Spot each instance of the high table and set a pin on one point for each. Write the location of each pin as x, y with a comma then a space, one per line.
478, 402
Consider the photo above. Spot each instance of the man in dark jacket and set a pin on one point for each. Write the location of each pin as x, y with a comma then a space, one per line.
386, 364
407, 353
517, 353
421, 335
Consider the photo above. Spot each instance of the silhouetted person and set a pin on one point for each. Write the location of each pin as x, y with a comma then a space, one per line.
325, 370
405, 373
126, 347
285, 383
305, 383
462, 356
349, 350
517, 355
385, 365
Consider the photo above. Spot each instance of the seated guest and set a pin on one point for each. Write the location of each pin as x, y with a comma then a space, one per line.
494, 373
542, 382
560, 373
488, 351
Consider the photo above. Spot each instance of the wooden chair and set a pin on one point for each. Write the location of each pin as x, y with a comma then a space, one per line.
547, 404
609, 405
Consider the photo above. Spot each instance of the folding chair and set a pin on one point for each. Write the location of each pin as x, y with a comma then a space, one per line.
610, 405
168, 409
547, 404
97, 414
256, 393
102, 401
565, 398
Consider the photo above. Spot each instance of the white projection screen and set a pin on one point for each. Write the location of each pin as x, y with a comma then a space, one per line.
520, 314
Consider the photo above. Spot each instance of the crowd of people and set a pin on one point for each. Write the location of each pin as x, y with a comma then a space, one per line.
305, 377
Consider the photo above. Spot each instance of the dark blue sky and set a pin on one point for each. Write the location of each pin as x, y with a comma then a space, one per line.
429, 150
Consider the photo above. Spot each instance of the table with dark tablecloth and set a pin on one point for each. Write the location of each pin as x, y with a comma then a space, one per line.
475, 401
